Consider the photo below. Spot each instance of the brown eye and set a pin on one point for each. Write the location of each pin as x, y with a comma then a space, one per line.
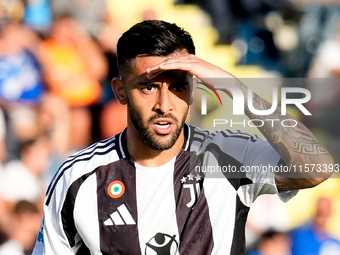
179, 87
148, 89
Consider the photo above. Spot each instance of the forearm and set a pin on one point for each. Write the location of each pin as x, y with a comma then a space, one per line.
296, 145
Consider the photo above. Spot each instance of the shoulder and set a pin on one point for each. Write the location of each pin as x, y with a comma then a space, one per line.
225, 133
225, 139
96, 152
85, 162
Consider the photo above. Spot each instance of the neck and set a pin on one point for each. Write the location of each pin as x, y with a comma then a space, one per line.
144, 155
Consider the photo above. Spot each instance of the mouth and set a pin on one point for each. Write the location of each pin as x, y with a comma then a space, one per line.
163, 127
163, 124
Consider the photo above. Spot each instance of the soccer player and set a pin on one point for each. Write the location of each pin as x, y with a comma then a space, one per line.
139, 193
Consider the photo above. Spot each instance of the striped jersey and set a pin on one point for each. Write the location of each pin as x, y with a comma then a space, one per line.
102, 202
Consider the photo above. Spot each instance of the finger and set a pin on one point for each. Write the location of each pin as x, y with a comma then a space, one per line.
168, 65
153, 74
159, 67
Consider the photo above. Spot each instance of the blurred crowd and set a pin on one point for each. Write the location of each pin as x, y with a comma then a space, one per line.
275, 238
268, 230
281, 35
56, 62
57, 59
291, 39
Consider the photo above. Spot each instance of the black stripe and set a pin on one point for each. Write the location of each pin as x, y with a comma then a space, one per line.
117, 239
66, 168
212, 135
74, 157
186, 134
68, 208
194, 224
197, 140
201, 136
238, 246
122, 149
83, 250
191, 133
201, 132
240, 134
224, 159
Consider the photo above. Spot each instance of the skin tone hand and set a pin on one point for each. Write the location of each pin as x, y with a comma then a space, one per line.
190, 63
296, 145
208, 73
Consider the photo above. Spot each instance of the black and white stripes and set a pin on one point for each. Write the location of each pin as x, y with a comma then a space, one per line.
167, 208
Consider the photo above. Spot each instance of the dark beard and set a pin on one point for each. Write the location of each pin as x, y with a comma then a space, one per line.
156, 143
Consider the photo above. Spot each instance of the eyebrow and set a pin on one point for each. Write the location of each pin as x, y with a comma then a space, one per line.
145, 83
181, 83
148, 83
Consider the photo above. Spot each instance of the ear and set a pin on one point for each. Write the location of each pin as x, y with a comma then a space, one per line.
119, 90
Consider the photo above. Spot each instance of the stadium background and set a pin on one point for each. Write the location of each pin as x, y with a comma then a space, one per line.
260, 40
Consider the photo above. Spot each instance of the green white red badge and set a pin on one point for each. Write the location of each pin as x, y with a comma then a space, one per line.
116, 189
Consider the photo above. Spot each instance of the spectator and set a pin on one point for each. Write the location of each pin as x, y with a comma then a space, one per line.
25, 179
268, 212
25, 222
73, 67
20, 80
312, 238
54, 119
21, 84
38, 15
91, 15
10, 11
273, 243
326, 62
323, 84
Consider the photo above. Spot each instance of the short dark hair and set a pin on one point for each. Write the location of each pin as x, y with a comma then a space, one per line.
153, 38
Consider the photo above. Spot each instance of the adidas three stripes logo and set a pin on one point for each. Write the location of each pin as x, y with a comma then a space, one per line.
120, 217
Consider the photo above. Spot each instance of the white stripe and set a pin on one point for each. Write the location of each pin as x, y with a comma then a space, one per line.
117, 220
126, 215
198, 189
86, 214
121, 145
155, 202
221, 197
108, 222
188, 138
204, 104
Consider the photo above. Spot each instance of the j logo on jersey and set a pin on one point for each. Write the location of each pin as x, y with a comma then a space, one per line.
191, 183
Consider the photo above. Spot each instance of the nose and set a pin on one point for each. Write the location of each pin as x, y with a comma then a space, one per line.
164, 103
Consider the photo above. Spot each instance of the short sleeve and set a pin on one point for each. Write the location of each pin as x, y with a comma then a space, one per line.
259, 164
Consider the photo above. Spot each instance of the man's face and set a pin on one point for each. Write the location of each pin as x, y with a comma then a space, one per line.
158, 107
